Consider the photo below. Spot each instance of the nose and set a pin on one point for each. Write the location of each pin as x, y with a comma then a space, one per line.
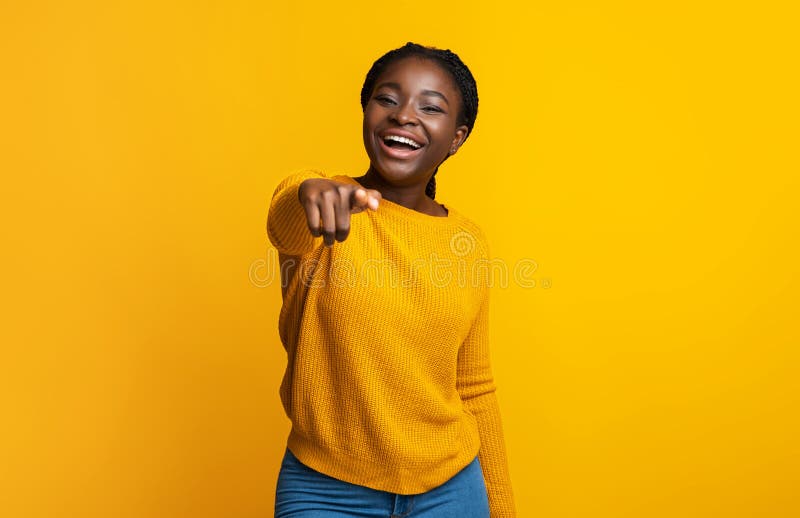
404, 114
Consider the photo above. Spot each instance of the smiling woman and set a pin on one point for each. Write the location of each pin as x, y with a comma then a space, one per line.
409, 126
419, 90
389, 387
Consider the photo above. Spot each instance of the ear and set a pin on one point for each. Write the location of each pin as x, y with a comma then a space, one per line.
458, 139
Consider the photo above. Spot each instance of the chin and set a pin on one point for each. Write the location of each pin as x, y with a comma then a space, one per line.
396, 173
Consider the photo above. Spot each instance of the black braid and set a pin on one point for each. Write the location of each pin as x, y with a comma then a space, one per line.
430, 189
450, 62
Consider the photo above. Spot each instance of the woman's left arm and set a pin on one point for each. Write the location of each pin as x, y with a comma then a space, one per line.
476, 387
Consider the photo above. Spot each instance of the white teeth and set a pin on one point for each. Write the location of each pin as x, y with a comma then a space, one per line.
404, 140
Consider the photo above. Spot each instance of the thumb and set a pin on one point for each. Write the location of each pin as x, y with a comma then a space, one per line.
374, 198
362, 198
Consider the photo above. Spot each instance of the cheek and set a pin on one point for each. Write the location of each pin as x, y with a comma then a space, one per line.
373, 112
443, 127
368, 124
444, 135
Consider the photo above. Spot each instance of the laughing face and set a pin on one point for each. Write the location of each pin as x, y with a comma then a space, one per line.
411, 121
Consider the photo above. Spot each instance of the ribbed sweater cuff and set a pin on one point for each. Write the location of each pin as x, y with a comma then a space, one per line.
287, 226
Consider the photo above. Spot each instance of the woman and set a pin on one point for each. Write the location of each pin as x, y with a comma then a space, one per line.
385, 311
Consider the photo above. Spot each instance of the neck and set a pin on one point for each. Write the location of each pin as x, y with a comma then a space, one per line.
409, 196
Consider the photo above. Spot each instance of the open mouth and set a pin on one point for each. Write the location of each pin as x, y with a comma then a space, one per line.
397, 142
400, 147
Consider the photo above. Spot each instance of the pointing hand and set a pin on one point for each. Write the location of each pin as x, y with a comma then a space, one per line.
329, 204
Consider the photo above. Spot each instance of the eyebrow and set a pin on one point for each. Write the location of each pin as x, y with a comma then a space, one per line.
434, 93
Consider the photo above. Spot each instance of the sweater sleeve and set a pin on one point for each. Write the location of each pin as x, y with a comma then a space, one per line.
476, 387
287, 226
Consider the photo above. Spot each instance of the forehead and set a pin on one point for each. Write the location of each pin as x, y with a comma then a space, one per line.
416, 73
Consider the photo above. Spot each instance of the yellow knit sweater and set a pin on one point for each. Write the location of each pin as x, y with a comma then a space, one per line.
388, 383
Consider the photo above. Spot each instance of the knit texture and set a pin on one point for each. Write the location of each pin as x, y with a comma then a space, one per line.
388, 381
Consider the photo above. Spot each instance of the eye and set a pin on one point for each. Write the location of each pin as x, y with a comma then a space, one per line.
433, 109
384, 99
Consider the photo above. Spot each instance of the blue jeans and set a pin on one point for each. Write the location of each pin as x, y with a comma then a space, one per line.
303, 492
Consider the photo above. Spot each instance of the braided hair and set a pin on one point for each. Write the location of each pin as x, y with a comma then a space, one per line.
450, 62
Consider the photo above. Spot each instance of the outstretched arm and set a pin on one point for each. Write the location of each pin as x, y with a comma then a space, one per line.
308, 207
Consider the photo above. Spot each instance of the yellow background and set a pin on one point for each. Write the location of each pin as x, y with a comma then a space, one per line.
644, 156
